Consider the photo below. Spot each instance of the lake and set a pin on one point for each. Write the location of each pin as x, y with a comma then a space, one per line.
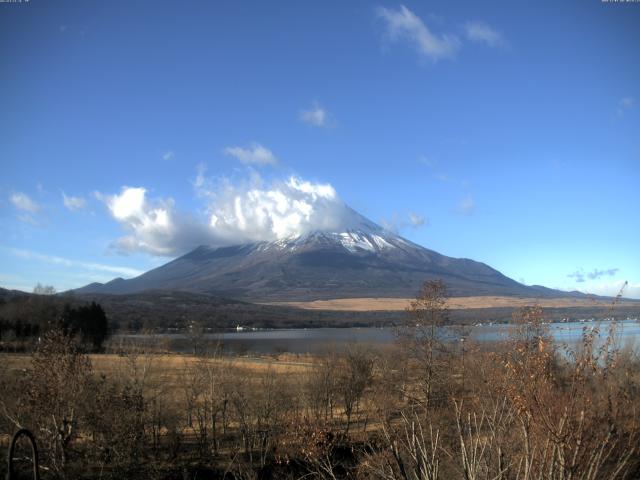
314, 340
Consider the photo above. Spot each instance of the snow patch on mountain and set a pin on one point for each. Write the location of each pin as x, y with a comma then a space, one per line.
373, 240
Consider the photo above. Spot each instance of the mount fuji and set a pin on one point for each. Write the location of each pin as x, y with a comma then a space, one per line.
357, 259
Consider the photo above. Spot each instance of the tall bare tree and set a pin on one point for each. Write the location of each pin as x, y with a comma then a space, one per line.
422, 336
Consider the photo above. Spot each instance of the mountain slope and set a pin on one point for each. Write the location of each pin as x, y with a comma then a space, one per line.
363, 260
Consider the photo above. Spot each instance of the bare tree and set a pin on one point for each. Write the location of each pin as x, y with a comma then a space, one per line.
56, 394
422, 337
40, 289
321, 387
354, 376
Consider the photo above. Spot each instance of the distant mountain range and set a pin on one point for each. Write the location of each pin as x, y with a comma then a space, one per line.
360, 260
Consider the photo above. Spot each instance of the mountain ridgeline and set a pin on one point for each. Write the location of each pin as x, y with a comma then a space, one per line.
361, 260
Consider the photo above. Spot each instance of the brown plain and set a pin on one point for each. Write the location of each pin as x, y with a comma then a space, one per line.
454, 303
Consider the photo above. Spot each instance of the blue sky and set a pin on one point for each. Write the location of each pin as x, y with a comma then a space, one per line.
507, 132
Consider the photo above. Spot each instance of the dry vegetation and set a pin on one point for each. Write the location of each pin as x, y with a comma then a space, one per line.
454, 303
424, 409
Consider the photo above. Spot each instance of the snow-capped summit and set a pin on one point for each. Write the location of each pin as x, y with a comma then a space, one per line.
351, 240
355, 233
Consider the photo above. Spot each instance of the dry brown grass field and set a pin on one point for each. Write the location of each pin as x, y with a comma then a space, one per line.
454, 303
170, 367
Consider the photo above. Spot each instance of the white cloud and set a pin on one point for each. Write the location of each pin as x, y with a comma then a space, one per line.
153, 226
128, 205
254, 154
467, 206
251, 211
626, 103
23, 202
404, 24
73, 203
315, 116
65, 262
400, 222
168, 155
416, 219
478, 31
235, 212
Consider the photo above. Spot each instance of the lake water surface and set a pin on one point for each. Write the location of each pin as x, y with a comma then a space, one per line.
314, 340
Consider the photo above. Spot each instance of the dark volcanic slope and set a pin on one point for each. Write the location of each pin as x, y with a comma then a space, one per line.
368, 262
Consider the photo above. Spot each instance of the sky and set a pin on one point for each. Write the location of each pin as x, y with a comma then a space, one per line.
506, 132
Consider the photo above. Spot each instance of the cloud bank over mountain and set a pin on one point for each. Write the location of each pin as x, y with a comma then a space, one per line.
234, 212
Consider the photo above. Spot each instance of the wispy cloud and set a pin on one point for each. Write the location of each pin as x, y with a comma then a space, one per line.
595, 274
27, 208
73, 203
66, 262
23, 202
254, 154
200, 179
625, 104
478, 31
398, 222
403, 24
467, 206
441, 177
427, 161
580, 276
417, 220
168, 155
431, 164
316, 116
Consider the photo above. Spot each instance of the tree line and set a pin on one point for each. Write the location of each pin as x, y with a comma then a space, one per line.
25, 319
